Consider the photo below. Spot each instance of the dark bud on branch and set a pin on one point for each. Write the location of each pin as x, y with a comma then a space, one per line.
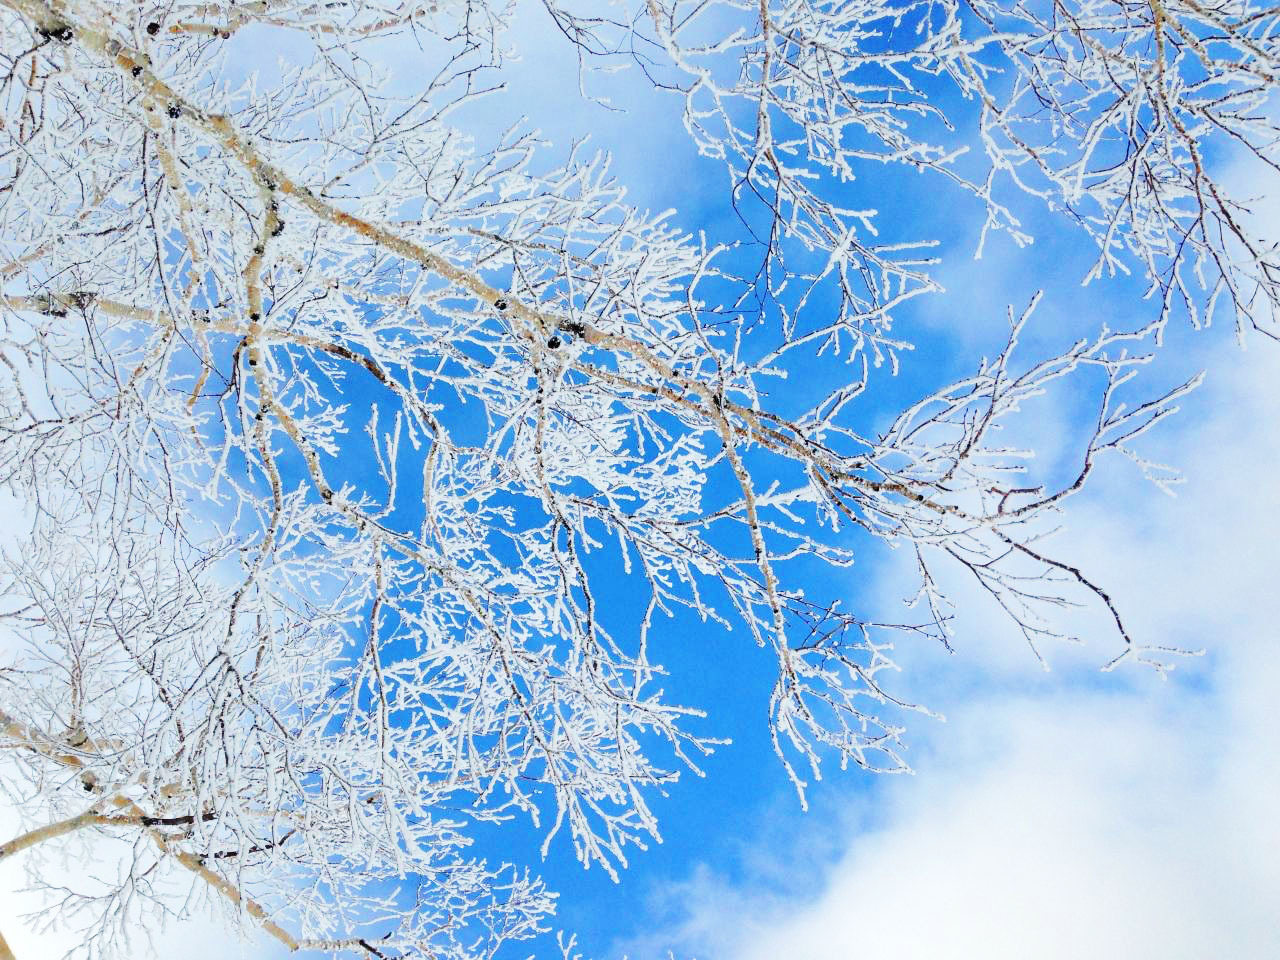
153, 28
553, 343
174, 111
500, 304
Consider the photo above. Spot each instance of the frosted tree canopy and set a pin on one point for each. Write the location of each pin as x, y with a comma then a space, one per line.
334, 425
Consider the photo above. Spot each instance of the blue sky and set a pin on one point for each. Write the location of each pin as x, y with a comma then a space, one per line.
1069, 813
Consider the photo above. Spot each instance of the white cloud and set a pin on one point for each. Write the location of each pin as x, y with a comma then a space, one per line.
1057, 816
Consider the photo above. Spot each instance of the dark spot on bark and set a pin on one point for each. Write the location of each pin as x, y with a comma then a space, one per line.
175, 111
153, 28
553, 343
136, 71
500, 304
57, 31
